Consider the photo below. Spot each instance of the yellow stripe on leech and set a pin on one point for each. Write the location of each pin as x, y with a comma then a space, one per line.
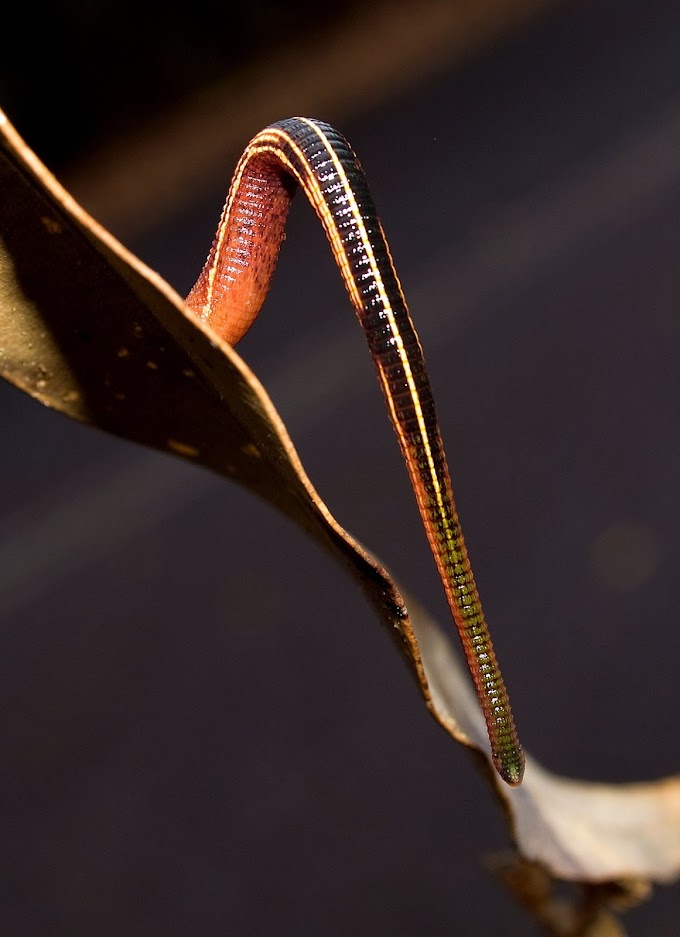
310, 185
391, 318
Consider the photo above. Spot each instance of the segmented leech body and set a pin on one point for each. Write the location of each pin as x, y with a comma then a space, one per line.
232, 288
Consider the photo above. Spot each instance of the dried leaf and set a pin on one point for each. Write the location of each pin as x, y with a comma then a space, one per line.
583, 913
90, 331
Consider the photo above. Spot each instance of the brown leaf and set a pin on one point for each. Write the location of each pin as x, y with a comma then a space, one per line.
583, 913
90, 331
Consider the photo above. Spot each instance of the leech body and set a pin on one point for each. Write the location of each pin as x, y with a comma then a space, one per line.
232, 288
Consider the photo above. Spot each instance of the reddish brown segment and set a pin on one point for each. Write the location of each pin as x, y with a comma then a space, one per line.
233, 284
230, 292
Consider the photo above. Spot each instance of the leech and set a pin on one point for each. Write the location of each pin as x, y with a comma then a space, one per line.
231, 290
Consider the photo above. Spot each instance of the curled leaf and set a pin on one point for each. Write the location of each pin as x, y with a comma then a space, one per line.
89, 330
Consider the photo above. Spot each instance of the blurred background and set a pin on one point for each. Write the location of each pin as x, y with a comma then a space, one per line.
205, 730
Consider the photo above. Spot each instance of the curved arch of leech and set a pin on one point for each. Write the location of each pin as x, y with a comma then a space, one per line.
273, 140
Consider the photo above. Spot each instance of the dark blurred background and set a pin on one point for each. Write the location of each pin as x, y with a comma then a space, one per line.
204, 728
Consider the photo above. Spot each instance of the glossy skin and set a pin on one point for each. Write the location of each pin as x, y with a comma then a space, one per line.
229, 294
